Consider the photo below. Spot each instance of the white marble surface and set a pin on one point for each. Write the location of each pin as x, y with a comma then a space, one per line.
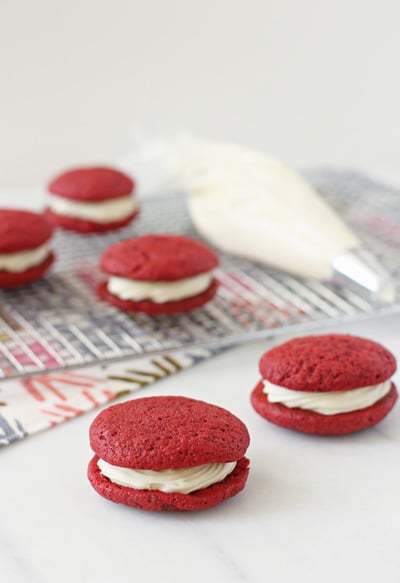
314, 509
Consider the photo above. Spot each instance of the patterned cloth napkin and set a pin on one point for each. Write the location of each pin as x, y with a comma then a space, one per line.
30, 404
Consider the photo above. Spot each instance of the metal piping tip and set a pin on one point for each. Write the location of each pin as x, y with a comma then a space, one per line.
360, 271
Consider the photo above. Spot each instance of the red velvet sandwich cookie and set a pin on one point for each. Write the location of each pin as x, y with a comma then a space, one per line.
25, 253
158, 274
327, 385
91, 200
168, 453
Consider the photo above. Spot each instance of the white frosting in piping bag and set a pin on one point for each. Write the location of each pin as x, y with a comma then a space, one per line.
251, 205
329, 402
184, 480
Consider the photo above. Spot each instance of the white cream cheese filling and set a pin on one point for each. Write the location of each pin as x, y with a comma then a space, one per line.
327, 403
158, 292
22, 260
106, 211
183, 480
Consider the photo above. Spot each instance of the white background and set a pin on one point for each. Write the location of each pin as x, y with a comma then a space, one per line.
310, 81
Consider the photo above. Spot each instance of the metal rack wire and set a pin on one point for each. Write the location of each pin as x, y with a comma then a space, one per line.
58, 322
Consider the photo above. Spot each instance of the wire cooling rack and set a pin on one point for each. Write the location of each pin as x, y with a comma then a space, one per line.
58, 322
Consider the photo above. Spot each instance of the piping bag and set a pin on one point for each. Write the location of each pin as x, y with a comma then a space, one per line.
251, 205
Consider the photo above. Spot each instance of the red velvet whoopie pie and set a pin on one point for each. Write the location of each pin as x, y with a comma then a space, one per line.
331, 384
25, 253
91, 200
158, 274
168, 453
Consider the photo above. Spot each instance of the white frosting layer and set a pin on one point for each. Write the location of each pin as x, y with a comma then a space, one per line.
327, 403
251, 205
184, 480
158, 292
18, 262
106, 211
